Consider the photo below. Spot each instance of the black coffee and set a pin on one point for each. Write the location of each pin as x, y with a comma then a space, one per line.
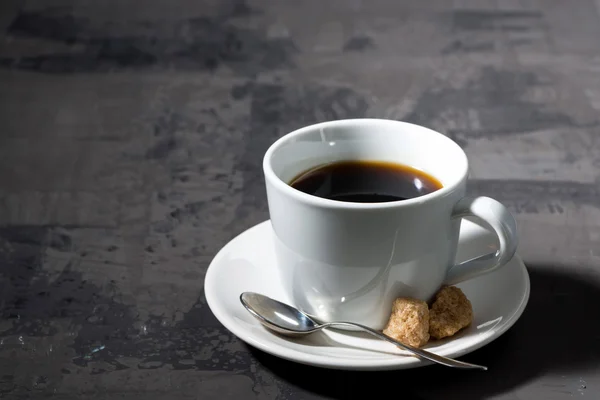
365, 182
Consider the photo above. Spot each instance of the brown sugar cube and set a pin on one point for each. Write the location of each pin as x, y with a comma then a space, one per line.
409, 322
450, 312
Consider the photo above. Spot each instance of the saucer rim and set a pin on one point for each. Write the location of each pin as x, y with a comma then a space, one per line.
358, 365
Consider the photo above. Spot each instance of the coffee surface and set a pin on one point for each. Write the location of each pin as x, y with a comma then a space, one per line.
365, 182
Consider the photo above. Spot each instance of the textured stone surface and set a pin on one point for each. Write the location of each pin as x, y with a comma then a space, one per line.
131, 137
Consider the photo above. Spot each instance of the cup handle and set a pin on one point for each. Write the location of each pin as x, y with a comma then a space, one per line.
504, 225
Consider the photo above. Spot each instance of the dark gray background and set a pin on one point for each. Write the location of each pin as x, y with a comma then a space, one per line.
131, 138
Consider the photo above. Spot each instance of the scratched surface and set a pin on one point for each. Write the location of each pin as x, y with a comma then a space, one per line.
131, 138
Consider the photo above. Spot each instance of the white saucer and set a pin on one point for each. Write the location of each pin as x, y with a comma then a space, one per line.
247, 263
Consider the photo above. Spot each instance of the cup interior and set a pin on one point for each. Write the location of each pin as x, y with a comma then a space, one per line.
367, 139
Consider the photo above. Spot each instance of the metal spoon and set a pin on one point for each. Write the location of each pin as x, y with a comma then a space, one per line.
290, 321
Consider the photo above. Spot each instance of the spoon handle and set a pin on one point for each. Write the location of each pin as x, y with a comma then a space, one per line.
449, 362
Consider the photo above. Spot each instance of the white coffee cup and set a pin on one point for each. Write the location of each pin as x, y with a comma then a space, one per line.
349, 261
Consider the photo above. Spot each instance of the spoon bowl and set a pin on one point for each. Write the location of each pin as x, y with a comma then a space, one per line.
278, 316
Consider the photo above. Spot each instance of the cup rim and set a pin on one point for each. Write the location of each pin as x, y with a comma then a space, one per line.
300, 196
